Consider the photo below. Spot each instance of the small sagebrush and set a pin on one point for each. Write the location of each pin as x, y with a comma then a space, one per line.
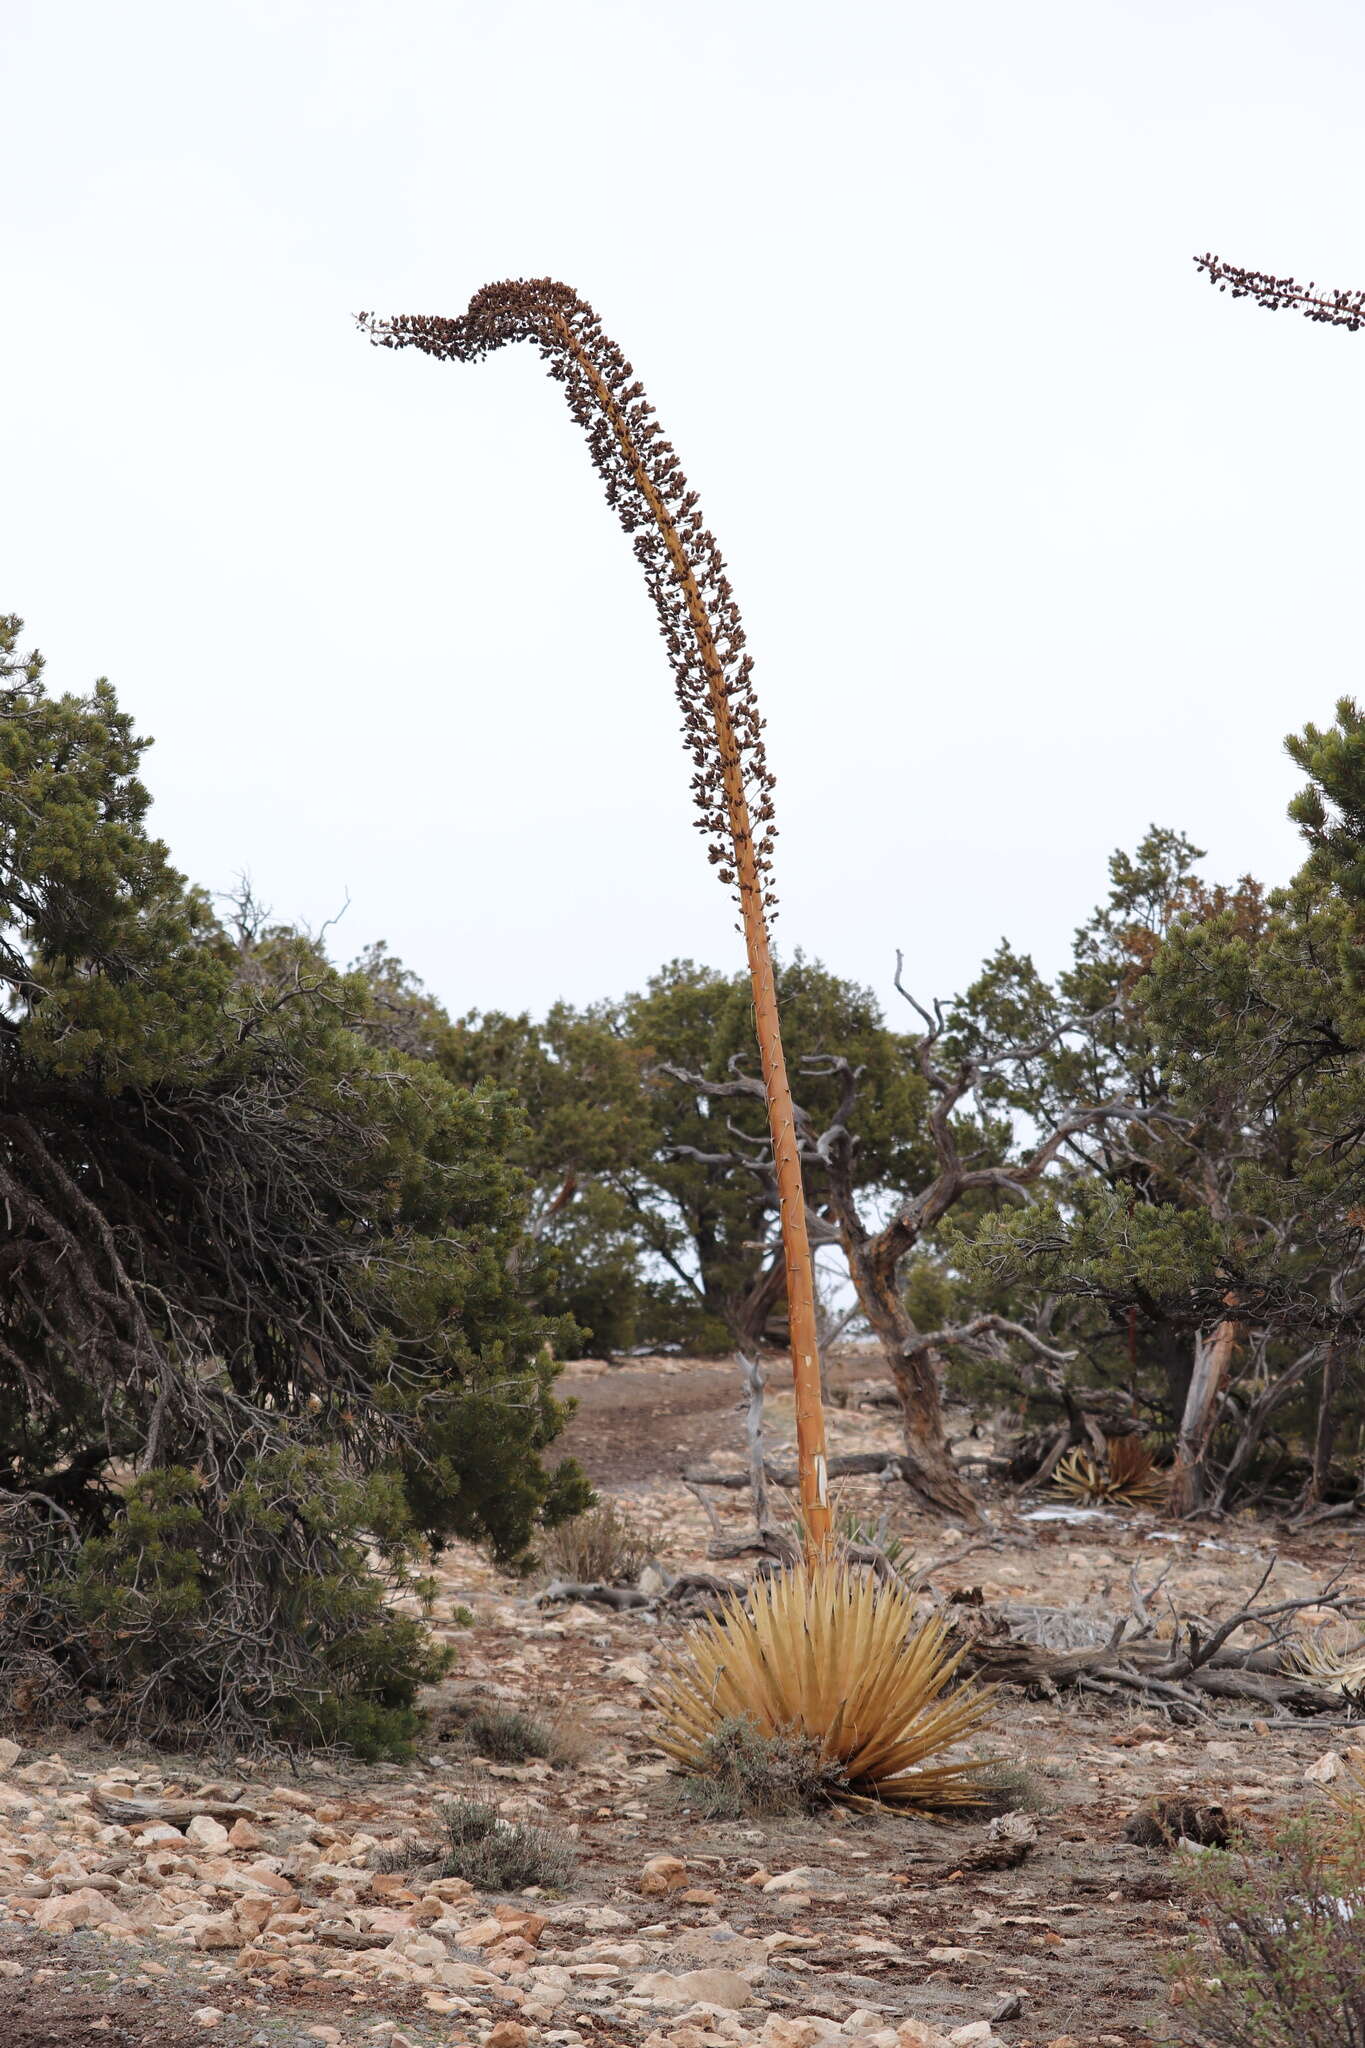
602, 1546
495, 1855
1289, 1927
743, 1773
505, 1736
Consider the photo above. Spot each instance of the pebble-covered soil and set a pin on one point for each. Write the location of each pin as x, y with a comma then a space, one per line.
155, 1899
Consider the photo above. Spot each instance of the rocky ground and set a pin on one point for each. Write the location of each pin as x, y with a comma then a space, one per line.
143, 1900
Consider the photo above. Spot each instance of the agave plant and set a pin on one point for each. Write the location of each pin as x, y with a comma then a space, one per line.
825, 1653
1128, 1475
732, 784
1334, 1666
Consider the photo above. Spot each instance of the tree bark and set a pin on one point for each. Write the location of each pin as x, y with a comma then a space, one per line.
753, 1428
749, 1316
913, 1370
1212, 1362
1327, 1424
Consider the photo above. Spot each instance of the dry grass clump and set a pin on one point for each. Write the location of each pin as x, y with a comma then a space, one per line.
828, 1654
600, 1547
1008, 1787
505, 1736
1289, 1927
872, 1532
492, 1854
1128, 1475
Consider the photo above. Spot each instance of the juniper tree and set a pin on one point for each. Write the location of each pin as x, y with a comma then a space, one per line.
1128, 1182
247, 1252
578, 1081
1226, 1228
968, 1156
709, 1215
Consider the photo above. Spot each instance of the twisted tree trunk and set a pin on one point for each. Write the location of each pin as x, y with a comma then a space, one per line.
913, 1367
1325, 1435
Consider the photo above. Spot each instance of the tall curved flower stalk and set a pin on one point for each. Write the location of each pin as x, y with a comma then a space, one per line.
722, 726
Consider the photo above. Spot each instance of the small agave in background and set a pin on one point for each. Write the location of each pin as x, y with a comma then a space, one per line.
1333, 1665
1128, 1476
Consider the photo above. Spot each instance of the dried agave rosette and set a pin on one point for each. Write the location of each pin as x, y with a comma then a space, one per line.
1128, 1475
826, 1652
1334, 1665
1133, 1474
1078, 1476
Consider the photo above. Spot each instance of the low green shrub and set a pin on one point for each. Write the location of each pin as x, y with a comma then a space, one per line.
1287, 1924
247, 1608
748, 1774
506, 1736
495, 1855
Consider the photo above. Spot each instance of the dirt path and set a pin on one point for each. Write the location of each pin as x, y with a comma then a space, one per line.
644, 1421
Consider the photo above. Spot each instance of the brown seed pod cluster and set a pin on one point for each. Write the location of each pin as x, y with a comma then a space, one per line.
683, 566
1337, 309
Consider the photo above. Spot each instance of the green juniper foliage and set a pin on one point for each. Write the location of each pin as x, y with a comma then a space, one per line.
1243, 1014
252, 1253
578, 1079
712, 1227
629, 1233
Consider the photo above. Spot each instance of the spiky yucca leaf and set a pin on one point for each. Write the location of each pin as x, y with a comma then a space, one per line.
827, 1652
1078, 1476
1326, 1661
1128, 1475
1133, 1474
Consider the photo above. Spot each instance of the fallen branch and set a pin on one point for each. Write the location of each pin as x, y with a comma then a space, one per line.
847, 1465
687, 1588
596, 1594
712, 1517
1337, 1512
175, 1813
1182, 1673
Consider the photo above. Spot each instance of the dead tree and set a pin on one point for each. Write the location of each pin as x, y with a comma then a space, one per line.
1212, 1369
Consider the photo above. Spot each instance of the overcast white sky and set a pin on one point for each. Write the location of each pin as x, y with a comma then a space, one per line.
1037, 539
